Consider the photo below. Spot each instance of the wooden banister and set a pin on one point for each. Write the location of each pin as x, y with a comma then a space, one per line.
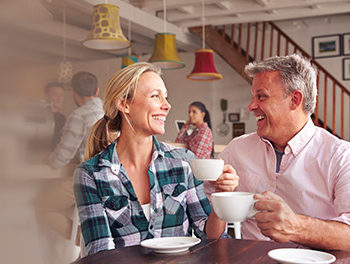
240, 36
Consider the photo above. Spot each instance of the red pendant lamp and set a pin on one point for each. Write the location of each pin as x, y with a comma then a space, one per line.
204, 68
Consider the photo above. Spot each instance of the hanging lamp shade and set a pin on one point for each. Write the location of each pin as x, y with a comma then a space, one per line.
128, 60
204, 68
106, 33
165, 53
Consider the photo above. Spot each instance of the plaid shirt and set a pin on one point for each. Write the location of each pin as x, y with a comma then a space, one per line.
200, 142
111, 215
75, 133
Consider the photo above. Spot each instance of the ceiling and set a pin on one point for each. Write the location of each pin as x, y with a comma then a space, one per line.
32, 31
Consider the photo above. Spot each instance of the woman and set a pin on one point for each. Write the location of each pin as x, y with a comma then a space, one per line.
196, 133
136, 187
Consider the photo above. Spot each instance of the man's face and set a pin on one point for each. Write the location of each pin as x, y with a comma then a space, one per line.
56, 96
271, 107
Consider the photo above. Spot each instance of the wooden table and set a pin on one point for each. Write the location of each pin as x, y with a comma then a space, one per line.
220, 251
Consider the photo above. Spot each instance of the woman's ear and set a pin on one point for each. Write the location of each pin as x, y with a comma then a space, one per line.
296, 99
123, 106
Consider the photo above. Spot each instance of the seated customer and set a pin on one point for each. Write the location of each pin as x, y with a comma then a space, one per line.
55, 205
196, 133
54, 95
138, 188
302, 171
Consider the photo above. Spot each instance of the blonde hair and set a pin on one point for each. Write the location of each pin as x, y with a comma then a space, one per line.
120, 87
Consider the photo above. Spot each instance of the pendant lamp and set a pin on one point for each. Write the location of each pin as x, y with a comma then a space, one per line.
129, 59
65, 68
204, 68
106, 33
165, 52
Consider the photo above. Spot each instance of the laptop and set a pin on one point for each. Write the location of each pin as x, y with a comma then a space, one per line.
179, 124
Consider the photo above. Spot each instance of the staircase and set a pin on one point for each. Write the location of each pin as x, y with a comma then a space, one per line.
239, 44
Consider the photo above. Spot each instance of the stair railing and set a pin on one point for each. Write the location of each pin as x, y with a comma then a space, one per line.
257, 41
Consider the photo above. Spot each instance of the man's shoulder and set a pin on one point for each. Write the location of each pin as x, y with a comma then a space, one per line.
329, 141
245, 139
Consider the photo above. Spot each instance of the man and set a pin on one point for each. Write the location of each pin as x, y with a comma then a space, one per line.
54, 95
301, 171
55, 203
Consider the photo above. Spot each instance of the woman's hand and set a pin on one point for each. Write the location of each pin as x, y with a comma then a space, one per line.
227, 181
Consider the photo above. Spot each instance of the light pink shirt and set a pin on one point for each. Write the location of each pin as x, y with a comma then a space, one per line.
314, 176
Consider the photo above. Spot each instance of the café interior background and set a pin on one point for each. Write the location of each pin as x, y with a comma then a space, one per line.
23, 78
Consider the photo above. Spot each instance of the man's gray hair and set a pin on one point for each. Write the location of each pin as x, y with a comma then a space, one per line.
296, 73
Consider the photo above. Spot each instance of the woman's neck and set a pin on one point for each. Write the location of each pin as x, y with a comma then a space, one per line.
133, 150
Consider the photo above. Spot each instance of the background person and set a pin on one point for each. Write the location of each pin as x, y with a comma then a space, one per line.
196, 133
54, 95
301, 170
55, 206
138, 188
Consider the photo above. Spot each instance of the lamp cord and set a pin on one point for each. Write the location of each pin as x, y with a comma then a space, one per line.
203, 26
64, 32
164, 16
129, 36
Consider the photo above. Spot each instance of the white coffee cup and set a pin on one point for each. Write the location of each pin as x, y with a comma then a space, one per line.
233, 206
207, 169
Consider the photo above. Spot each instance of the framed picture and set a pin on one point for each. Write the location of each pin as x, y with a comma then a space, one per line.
346, 69
326, 46
346, 44
233, 117
238, 129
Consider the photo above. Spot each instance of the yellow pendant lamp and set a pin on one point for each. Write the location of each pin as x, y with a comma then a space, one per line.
204, 68
106, 33
165, 52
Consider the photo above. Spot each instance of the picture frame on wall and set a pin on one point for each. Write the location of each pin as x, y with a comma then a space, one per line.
346, 69
326, 46
346, 44
233, 117
238, 129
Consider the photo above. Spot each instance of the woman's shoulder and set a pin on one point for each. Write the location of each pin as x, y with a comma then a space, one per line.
175, 152
94, 163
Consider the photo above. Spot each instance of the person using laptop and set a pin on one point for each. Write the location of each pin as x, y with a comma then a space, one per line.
196, 133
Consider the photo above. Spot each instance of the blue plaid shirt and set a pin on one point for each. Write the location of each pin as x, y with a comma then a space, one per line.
111, 215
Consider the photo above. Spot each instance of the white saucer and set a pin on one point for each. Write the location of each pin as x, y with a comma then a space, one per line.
170, 244
300, 256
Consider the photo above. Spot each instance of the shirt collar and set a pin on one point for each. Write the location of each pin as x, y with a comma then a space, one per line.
109, 156
298, 142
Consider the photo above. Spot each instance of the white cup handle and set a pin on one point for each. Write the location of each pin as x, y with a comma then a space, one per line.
253, 211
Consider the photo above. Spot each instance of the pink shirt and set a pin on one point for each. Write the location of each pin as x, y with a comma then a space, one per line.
314, 177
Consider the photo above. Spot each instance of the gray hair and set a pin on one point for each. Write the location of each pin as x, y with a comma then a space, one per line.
296, 73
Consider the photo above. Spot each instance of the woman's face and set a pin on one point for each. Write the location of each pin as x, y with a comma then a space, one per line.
149, 108
195, 115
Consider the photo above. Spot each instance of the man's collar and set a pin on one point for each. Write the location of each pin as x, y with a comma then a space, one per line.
298, 142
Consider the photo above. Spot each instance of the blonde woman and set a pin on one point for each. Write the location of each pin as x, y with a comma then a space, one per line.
134, 187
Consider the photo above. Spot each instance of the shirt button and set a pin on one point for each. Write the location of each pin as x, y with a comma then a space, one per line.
114, 167
151, 227
156, 210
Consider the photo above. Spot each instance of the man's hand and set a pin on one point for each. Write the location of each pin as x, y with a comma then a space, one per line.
227, 181
276, 219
